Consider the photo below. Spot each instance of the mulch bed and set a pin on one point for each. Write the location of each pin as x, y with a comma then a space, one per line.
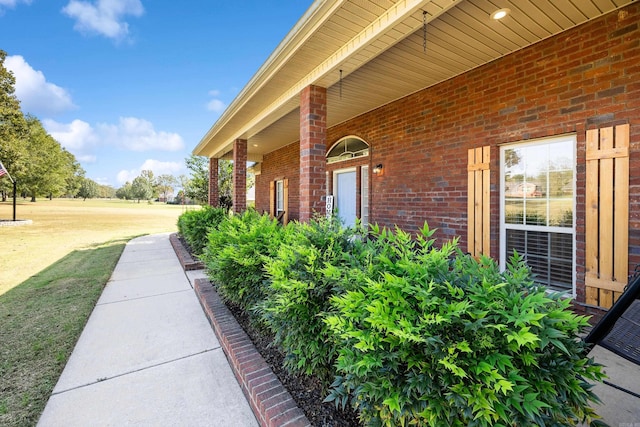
305, 390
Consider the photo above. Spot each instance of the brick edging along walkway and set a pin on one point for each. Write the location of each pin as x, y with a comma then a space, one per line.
186, 260
270, 401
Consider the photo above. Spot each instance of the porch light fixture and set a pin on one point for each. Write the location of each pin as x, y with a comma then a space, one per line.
500, 13
378, 169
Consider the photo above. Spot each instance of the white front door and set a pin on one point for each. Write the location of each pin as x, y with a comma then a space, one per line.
344, 191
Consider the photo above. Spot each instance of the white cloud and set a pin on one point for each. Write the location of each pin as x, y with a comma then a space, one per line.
130, 134
75, 136
12, 3
216, 105
104, 17
127, 175
36, 94
156, 166
136, 134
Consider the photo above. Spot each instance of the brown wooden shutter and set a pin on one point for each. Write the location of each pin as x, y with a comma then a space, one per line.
285, 219
272, 199
607, 214
479, 202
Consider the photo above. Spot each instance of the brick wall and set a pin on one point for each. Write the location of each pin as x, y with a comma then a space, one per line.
214, 194
585, 78
280, 164
240, 175
313, 142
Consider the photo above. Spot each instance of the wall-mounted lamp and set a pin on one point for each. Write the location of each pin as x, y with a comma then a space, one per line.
378, 169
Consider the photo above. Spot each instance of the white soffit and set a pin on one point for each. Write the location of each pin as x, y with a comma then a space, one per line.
379, 46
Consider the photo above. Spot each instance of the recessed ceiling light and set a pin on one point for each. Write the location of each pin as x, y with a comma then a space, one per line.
255, 145
501, 13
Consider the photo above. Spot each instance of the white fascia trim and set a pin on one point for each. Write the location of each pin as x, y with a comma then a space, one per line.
316, 15
380, 26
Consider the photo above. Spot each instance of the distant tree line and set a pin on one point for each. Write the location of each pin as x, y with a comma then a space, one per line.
34, 159
193, 188
146, 186
43, 168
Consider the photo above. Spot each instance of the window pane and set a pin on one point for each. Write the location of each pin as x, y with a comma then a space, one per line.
348, 148
514, 211
514, 197
538, 185
280, 196
560, 275
515, 242
561, 198
364, 191
550, 256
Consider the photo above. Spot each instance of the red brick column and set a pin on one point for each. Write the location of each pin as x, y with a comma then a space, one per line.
313, 146
239, 175
214, 193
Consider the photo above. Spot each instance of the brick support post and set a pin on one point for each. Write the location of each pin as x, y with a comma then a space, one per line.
313, 146
214, 192
239, 175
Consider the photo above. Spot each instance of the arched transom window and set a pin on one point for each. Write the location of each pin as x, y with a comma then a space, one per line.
347, 148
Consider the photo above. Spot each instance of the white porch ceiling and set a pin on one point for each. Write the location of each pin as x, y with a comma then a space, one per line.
379, 46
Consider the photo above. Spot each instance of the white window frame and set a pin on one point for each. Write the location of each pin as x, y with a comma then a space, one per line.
348, 155
279, 195
364, 196
552, 229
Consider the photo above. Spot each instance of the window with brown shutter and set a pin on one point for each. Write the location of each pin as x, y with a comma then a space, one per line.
537, 205
607, 214
279, 200
478, 202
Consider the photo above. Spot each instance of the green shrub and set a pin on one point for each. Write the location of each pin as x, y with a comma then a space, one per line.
235, 256
194, 226
304, 275
442, 339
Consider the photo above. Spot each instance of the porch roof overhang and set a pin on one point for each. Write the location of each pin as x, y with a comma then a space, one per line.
368, 53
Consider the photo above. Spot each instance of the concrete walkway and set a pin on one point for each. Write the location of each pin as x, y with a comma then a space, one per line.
148, 356
618, 408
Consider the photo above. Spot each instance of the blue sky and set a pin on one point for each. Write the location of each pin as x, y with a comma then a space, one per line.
127, 85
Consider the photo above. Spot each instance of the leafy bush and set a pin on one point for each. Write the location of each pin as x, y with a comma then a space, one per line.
304, 275
194, 226
235, 256
434, 337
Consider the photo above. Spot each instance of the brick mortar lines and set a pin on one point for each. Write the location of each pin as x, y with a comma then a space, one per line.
186, 260
269, 400
274, 406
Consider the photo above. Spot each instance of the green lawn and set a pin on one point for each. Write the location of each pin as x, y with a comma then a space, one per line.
61, 226
51, 275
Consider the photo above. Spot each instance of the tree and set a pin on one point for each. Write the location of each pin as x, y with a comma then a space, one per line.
141, 188
125, 192
183, 182
75, 174
48, 164
13, 128
164, 185
198, 186
88, 189
106, 191
225, 183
